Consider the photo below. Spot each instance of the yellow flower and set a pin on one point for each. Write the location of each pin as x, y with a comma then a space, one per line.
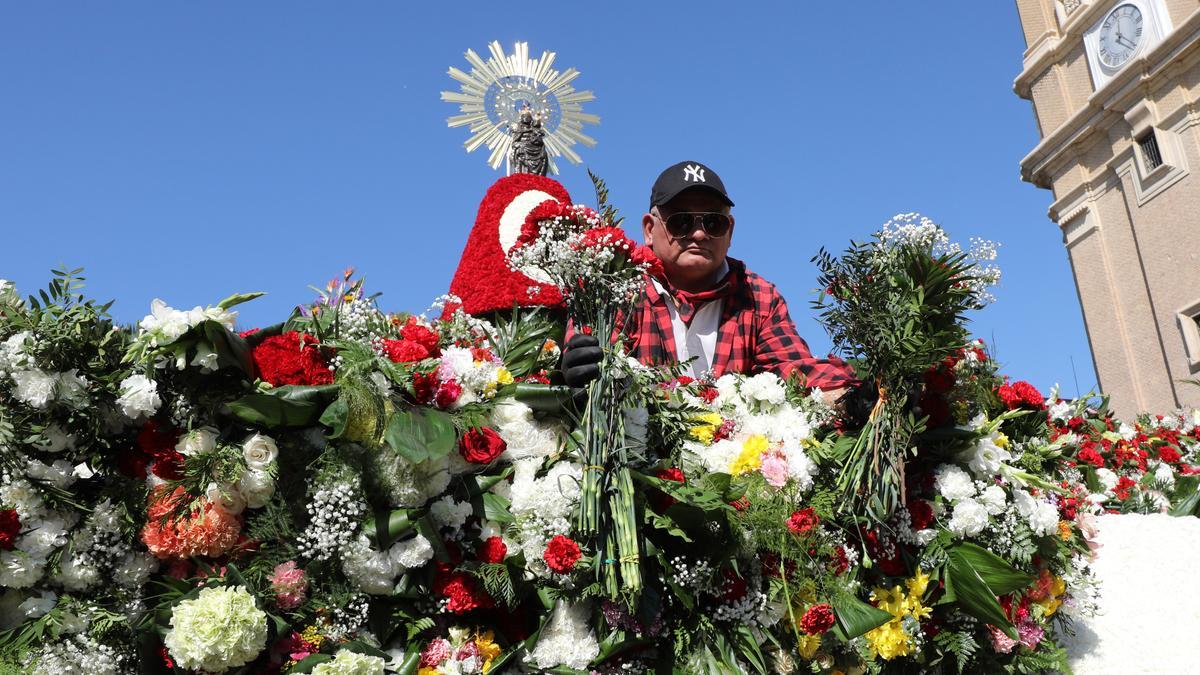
488, 649
504, 377
428, 671
750, 458
707, 425
889, 640
808, 645
1064, 530
1053, 600
918, 584
1001, 440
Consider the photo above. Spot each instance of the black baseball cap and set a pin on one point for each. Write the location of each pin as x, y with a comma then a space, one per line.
684, 176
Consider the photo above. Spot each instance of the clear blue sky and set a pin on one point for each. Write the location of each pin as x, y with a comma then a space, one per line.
192, 150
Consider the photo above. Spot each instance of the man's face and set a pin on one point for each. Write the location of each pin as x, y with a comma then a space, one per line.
691, 261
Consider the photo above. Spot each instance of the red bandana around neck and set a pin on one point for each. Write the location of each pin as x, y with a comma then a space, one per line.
687, 302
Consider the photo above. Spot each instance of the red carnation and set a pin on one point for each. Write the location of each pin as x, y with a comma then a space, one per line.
425, 386
709, 394
405, 351
447, 394
920, 513
661, 500
492, 550
803, 521
463, 593
935, 406
841, 562
421, 334
644, 255
607, 237
673, 474
1021, 395
291, 358
481, 445
1124, 485
817, 620
1169, 454
10, 527
1089, 455
940, 378
561, 554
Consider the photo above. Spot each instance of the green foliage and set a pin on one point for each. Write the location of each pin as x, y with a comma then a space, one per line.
287, 406
959, 643
518, 339
497, 582
421, 433
606, 210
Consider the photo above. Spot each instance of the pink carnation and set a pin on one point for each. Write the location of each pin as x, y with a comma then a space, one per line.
1031, 634
290, 585
436, 653
1000, 642
775, 470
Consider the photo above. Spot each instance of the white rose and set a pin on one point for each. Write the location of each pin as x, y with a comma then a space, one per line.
139, 396
256, 487
198, 442
260, 452
35, 388
226, 497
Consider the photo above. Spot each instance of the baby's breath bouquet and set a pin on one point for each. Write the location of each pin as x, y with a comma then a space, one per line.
896, 307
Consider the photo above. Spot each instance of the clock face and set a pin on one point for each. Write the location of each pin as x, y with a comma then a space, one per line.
1120, 35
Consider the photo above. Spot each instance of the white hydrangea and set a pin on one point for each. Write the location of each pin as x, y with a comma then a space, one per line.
969, 518
954, 483
34, 387
411, 553
219, 629
566, 640
372, 570
139, 396
446, 512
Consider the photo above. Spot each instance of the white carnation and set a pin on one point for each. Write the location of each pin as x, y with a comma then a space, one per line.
800, 467
1107, 479
524, 437
371, 570
411, 553
993, 499
34, 387
12, 352
220, 629
347, 662
566, 639
76, 574
1043, 519
969, 518
19, 569
446, 512
198, 442
60, 474
55, 439
954, 483
259, 452
139, 396
134, 570
764, 388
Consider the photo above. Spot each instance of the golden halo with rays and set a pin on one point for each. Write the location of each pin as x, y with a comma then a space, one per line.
490, 98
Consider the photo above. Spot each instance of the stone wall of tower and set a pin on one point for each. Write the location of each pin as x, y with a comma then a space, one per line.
1132, 234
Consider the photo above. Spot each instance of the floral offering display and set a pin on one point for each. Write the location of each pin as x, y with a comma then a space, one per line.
356, 491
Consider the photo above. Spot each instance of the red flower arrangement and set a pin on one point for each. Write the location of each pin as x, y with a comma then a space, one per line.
291, 358
1021, 394
492, 550
481, 445
817, 620
205, 530
447, 394
10, 527
483, 280
561, 554
920, 513
154, 444
405, 351
413, 331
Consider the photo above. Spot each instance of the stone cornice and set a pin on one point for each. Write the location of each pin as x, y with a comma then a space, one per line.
1104, 107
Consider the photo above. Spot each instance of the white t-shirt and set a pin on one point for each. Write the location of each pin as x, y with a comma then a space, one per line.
698, 338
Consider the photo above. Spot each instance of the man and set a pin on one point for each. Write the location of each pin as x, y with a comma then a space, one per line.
709, 307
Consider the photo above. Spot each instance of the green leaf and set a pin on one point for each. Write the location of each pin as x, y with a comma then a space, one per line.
307, 664
237, 299
1000, 577
495, 508
286, 406
973, 595
545, 398
421, 433
387, 527
855, 617
335, 417
1188, 497
232, 351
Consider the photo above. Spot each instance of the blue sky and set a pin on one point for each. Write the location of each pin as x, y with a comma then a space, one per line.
191, 150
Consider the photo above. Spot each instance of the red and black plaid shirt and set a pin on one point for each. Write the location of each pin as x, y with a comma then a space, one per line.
755, 334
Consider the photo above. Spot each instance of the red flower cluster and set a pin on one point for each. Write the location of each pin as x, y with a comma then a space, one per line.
461, 589
492, 550
561, 554
155, 448
661, 500
1021, 395
817, 620
10, 527
417, 342
291, 358
920, 513
481, 445
802, 521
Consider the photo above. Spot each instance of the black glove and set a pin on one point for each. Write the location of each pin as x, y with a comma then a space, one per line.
581, 360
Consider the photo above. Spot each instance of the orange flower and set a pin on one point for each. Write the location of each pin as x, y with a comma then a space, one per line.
204, 530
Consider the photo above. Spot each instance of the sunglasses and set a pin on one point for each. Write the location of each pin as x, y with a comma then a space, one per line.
681, 225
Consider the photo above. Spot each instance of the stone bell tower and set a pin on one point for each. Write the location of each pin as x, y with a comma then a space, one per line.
1115, 87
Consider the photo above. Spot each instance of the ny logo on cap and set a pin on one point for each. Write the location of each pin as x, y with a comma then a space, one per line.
693, 172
